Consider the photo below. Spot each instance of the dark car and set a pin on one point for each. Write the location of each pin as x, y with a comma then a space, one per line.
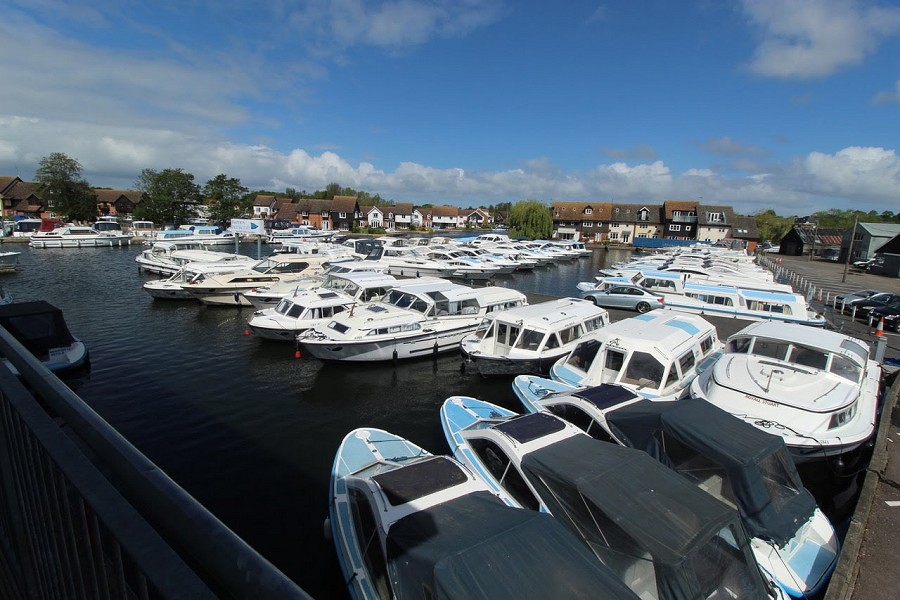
632, 297
857, 295
864, 305
891, 314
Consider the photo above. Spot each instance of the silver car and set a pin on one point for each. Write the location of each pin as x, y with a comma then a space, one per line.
631, 297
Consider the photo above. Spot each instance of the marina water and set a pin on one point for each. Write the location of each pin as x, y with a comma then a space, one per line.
245, 426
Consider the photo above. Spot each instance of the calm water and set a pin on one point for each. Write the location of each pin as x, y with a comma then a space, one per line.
243, 425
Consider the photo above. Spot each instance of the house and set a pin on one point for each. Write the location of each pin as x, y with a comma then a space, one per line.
120, 203
631, 221
809, 238
401, 216
477, 218
681, 219
312, 212
445, 217
20, 198
264, 206
583, 221
866, 239
714, 223
744, 229
344, 213
372, 217
887, 258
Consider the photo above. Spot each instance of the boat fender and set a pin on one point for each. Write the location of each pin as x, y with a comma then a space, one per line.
326, 530
435, 348
394, 357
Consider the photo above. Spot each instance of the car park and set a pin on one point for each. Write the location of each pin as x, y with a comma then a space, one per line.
631, 297
864, 265
864, 305
891, 315
857, 295
832, 254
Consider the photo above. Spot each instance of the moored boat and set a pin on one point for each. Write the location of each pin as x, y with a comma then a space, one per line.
76, 236
529, 339
41, 328
817, 389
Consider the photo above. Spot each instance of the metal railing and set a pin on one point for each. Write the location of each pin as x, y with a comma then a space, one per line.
83, 514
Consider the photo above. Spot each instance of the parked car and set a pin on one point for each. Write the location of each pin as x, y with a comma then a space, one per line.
891, 314
832, 254
857, 295
769, 247
864, 305
864, 265
630, 297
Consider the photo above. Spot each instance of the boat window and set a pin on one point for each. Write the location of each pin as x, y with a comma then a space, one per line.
686, 362
722, 569
468, 307
568, 335
739, 345
842, 417
706, 344
844, 367
497, 462
367, 533
643, 370
770, 348
295, 311
582, 420
552, 342
704, 472
583, 355
857, 349
780, 483
808, 357
614, 360
673, 376
283, 306
593, 324
339, 327
530, 339
419, 305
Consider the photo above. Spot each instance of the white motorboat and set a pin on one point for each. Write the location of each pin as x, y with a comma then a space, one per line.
529, 339
465, 266
657, 531
669, 282
404, 520
792, 539
411, 261
506, 259
210, 235
297, 312
227, 289
76, 236
656, 354
167, 258
298, 233
41, 329
818, 389
173, 286
415, 319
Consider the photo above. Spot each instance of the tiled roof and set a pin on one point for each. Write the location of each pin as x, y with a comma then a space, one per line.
346, 204
704, 211
19, 190
112, 196
575, 211
445, 211
628, 213
684, 205
824, 236
402, 208
744, 228
881, 229
6, 181
264, 200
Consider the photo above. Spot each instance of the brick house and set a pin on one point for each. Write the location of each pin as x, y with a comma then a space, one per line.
120, 203
584, 221
681, 220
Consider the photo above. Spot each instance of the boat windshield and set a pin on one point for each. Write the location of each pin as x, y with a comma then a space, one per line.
643, 370
289, 309
721, 567
530, 339
844, 367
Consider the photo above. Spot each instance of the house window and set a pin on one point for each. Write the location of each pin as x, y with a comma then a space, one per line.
305, 213
643, 214
713, 217
589, 211
325, 213
687, 227
587, 224
342, 215
674, 227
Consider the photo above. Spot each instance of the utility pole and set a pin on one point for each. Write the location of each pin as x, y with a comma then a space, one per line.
850, 249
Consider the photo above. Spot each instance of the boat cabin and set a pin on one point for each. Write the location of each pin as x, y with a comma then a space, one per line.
656, 354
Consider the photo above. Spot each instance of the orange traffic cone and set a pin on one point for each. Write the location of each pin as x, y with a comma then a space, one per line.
879, 331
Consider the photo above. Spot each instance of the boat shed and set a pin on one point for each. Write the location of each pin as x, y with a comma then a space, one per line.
868, 238
887, 258
804, 238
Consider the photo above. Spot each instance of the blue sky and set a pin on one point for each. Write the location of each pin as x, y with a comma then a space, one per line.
785, 104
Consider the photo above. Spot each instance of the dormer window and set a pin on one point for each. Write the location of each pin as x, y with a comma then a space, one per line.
643, 215
588, 211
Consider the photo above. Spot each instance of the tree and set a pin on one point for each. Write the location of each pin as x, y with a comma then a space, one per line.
227, 199
772, 227
63, 189
170, 196
531, 219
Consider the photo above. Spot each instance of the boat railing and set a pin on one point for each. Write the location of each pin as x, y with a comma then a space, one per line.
84, 514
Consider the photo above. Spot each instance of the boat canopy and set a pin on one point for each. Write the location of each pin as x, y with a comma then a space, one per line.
754, 469
452, 550
654, 528
38, 325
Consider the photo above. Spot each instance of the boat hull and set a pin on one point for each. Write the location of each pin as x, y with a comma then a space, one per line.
424, 344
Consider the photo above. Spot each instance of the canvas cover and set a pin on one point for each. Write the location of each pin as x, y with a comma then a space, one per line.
477, 547
39, 326
766, 486
627, 505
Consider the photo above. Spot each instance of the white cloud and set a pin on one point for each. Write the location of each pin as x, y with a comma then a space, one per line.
891, 97
867, 174
814, 38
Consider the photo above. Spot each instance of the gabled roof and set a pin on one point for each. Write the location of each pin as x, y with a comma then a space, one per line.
312, 205
704, 211
7, 181
744, 228
821, 236
402, 208
886, 230
367, 210
280, 203
576, 211
113, 196
345, 204
287, 210
684, 205
892, 246
445, 211
628, 213
264, 199
20, 190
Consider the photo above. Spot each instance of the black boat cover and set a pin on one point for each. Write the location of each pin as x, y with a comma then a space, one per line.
630, 508
38, 325
764, 482
477, 547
